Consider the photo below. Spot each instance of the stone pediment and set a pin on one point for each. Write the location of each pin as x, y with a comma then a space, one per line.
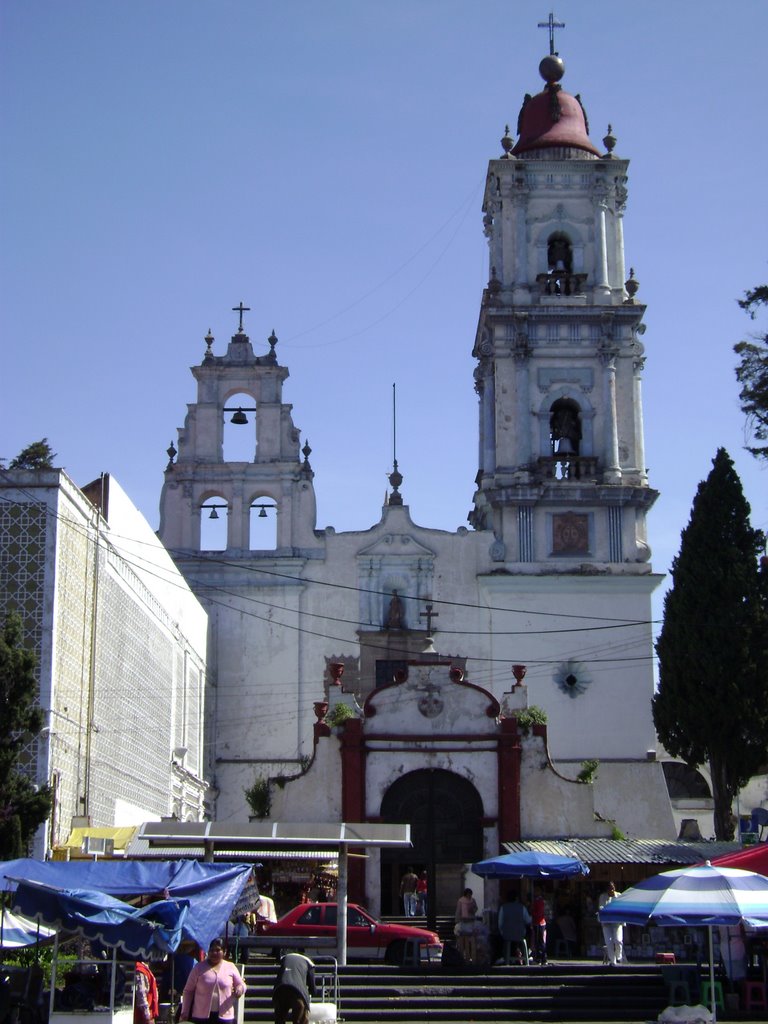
396, 544
433, 700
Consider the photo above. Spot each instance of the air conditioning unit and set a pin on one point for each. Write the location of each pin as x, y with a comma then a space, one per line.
98, 845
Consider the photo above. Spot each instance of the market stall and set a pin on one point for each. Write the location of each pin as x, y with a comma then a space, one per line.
97, 989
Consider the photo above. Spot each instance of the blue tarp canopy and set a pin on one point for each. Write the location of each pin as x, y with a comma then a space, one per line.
138, 931
209, 891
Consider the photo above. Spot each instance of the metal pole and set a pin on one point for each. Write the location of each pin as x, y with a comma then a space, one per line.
54, 963
431, 867
712, 999
341, 899
112, 980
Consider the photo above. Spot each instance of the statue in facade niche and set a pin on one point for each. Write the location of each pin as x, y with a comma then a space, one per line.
395, 614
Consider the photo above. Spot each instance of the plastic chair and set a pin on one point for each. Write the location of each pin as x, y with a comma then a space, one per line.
678, 989
706, 993
507, 950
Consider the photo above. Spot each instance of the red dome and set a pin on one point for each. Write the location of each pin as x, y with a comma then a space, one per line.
540, 130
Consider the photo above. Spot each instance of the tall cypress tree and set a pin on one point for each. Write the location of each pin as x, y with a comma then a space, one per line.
712, 702
22, 806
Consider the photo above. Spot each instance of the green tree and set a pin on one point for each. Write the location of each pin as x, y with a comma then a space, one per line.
23, 807
38, 455
752, 373
712, 703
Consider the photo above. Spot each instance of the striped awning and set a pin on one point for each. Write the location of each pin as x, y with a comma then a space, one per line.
626, 851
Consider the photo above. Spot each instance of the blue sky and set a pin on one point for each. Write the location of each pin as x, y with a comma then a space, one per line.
324, 163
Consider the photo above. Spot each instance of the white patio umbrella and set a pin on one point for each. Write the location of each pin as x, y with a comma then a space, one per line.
701, 896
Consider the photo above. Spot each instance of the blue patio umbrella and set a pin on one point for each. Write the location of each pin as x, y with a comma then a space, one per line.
530, 864
701, 896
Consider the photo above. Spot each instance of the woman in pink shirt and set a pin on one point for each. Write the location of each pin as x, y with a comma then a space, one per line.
211, 989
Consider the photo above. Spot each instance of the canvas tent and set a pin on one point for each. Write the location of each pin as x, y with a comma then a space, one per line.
211, 889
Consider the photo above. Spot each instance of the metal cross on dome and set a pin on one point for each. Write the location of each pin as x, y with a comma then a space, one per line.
551, 24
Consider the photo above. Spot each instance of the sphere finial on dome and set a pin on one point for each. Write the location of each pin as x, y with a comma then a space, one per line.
552, 68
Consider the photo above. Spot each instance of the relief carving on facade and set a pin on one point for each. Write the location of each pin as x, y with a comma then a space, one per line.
570, 534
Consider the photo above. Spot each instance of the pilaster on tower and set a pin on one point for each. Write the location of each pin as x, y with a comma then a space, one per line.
561, 476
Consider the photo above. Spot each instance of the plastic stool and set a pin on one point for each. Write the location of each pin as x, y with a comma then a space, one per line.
706, 993
753, 995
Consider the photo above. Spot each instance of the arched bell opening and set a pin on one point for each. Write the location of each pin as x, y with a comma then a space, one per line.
565, 427
239, 429
214, 523
560, 278
262, 524
560, 253
445, 813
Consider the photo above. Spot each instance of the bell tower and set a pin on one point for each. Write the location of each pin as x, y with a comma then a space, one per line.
562, 472
244, 390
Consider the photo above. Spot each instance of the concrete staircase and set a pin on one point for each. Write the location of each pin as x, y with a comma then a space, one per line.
573, 991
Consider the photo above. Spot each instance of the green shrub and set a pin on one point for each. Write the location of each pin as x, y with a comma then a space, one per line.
259, 798
588, 771
531, 716
339, 713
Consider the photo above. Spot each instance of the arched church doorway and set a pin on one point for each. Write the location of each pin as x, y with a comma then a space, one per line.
445, 813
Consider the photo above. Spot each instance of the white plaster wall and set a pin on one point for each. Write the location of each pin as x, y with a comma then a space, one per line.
316, 796
635, 797
550, 805
612, 717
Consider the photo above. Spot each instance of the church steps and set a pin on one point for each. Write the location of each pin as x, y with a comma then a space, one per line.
578, 992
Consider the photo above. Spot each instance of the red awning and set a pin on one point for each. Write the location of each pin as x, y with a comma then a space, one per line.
751, 858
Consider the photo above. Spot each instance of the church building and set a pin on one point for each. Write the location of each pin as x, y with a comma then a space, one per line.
417, 631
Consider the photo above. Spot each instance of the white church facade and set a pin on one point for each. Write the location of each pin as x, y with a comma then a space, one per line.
419, 630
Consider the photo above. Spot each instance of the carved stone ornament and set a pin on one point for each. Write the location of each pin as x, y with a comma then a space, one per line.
570, 534
498, 551
572, 678
430, 704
